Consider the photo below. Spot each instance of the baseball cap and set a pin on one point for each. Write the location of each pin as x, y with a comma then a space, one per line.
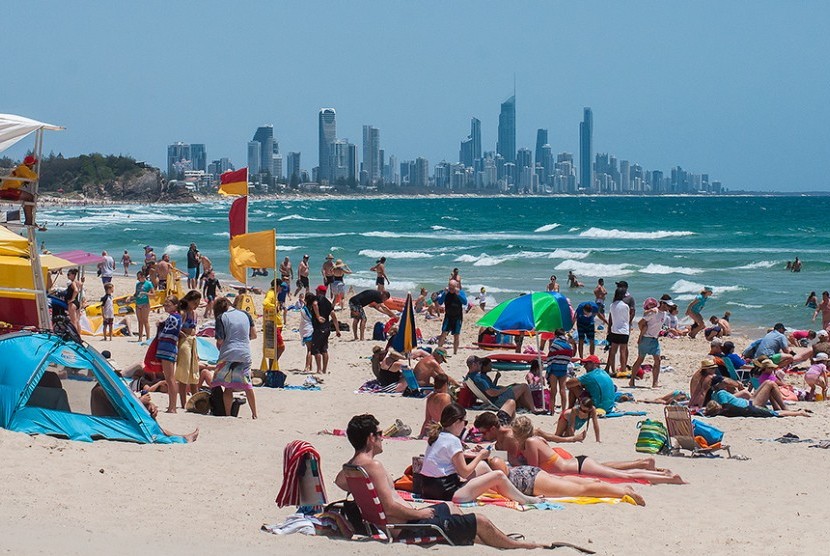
321, 288
821, 356
780, 327
622, 284
670, 303
30, 160
592, 359
442, 352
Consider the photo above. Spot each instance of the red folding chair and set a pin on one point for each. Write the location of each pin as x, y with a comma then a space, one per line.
363, 490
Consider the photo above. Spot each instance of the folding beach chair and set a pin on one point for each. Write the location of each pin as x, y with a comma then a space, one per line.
371, 510
488, 405
680, 429
741, 375
414, 389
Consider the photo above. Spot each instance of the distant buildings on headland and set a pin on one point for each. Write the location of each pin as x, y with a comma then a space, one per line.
505, 170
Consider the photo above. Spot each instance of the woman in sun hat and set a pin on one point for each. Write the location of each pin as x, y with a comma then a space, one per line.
693, 311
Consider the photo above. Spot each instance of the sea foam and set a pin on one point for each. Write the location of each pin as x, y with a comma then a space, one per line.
581, 268
372, 254
663, 269
759, 264
546, 227
600, 233
299, 217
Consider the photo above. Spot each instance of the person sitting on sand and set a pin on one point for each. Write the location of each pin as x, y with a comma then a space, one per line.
713, 331
390, 370
775, 346
573, 419
429, 367
536, 452
435, 403
725, 325
595, 383
701, 382
816, 376
498, 395
420, 302
671, 327
462, 529
446, 475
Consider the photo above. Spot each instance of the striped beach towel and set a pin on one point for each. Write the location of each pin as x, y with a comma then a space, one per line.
301, 475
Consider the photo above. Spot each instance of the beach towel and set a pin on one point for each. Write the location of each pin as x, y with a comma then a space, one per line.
374, 387
486, 499
302, 476
612, 414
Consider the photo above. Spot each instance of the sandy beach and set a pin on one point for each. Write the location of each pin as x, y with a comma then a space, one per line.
213, 495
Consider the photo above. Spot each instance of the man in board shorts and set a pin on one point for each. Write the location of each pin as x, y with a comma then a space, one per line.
367, 298
455, 302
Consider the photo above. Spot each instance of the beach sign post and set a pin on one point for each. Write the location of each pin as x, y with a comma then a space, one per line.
530, 314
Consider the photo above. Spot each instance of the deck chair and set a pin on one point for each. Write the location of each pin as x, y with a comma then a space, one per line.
488, 405
741, 375
365, 496
412, 384
680, 429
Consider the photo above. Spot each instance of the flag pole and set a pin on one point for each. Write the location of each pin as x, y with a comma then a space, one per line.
277, 307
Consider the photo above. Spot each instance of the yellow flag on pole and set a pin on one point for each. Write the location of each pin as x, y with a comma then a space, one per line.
255, 250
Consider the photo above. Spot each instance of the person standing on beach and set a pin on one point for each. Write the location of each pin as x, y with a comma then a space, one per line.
143, 290
327, 270
586, 327
600, 293
106, 268
454, 301
234, 331
302, 278
357, 305
618, 332
187, 364
163, 268
167, 350
286, 272
323, 321
192, 267
209, 292
380, 270
272, 324
107, 310
149, 255
21, 189
207, 266
648, 344
338, 285
694, 310
824, 309
126, 261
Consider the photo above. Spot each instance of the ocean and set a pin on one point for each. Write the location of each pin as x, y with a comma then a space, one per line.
676, 245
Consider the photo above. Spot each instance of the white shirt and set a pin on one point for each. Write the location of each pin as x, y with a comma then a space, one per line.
619, 318
438, 457
654, 323
107, 267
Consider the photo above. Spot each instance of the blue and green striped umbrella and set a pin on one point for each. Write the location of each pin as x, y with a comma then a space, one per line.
533, 312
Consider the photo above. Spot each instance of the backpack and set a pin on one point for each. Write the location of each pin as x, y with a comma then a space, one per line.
653, 437
217, 403
377, 332
274, 379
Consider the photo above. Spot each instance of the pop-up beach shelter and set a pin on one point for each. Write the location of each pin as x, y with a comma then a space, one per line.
34, 400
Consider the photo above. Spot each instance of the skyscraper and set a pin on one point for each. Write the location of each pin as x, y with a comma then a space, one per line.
327, 136
265, 137
371, 154
293, 164
541, 141
198, 156
586, 136
475, 135
177, 153
254, 158
506, 145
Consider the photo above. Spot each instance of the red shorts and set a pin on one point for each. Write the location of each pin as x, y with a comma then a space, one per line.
280, 342
11, 194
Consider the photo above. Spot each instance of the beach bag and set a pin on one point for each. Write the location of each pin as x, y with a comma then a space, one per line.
350, 510
653, 437
377, 332
274, 379
711, 434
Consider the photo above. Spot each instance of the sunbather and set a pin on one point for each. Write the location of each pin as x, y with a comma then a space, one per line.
535, 451
448, 476
500, 394
463, 529
767, 393
714, 408
574, 418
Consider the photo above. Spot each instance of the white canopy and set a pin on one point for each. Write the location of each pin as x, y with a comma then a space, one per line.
14, 128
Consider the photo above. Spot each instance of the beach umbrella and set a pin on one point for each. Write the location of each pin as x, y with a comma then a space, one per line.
531, 313
405, 339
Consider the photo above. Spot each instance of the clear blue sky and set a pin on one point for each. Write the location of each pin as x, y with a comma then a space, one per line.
735, 89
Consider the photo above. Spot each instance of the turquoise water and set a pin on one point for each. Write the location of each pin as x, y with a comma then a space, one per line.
676, 245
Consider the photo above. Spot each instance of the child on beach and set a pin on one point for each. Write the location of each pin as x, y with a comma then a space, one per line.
816, 375
695, 308
209, 292
107, 311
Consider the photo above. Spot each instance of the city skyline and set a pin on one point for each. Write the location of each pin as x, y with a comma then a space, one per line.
705, 87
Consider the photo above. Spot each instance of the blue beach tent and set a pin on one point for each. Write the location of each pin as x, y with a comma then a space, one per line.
34, 401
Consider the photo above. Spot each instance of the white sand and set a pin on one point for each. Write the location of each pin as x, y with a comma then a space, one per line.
212, 496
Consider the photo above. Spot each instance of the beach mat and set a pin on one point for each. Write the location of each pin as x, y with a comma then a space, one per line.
486, 499
374, 387
612, 414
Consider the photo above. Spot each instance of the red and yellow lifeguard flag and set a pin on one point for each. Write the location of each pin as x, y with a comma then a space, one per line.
254, 250
238, 217
234, 183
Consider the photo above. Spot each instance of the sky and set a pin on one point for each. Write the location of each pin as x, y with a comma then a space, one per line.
737, 90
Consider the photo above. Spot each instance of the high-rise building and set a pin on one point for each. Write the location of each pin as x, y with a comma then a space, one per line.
541, 141
265, 137
465, 153
625, 182
293, 166
506, 145
371, 154
327, 136
524, 159
198, 156
178, 156
254, 158
343, 164
276, 166
586, 136
475, 135
421, 172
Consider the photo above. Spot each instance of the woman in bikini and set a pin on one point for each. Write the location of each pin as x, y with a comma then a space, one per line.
536, 452
380, 270
573, 419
